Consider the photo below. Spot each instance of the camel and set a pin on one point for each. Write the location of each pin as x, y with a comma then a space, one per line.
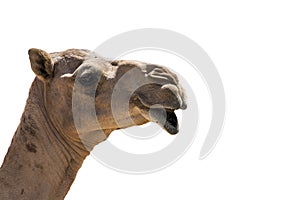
47, 149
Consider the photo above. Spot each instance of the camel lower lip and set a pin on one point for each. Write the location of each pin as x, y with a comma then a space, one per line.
171, 124
166, 119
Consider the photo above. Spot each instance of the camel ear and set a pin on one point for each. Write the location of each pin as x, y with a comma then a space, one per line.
41, 63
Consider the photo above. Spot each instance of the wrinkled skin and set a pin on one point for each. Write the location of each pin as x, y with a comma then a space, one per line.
76, 101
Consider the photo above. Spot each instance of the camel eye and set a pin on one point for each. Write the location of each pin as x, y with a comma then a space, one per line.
88, 78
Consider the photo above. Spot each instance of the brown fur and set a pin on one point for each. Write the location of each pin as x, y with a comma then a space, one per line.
46, 151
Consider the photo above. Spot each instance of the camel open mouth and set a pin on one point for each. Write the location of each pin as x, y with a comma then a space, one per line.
168, 120
165, 117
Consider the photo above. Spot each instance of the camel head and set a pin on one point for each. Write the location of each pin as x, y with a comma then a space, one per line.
119, 93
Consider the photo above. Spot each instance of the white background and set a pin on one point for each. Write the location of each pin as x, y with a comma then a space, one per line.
255, 46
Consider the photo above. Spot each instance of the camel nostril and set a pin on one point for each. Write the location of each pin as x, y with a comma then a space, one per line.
162, 75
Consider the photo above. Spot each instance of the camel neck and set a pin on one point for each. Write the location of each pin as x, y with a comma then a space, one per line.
40, 163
